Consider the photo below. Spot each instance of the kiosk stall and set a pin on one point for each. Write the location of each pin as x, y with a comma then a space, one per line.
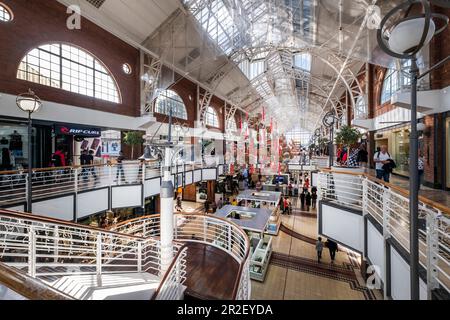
264, 200
254, 221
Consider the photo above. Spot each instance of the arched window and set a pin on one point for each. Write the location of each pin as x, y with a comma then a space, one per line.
69, 68
361, 111
303, 61
395, 79
170, 99
211, 117
5, 14
232, 125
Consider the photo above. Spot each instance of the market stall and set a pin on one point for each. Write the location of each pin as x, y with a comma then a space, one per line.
263, 200
254, 221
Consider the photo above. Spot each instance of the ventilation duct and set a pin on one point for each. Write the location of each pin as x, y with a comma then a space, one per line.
96, 3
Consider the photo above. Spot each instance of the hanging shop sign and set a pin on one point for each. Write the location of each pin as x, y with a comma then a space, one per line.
70, 130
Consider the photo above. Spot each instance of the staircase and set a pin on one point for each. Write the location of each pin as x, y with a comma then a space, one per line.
81, 262
125, 286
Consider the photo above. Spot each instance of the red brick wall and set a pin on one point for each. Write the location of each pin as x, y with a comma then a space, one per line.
39, 22
440, 49
187, 90
428, 149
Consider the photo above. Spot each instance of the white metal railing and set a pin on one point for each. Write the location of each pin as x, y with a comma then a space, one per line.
59, 181
210, 230
389, 206
171, 287
48, 249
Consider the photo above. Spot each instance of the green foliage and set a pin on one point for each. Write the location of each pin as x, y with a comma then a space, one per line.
348, 136
133, 138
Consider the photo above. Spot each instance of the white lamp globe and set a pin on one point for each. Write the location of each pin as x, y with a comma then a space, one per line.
28, 102
407, 34
421, 127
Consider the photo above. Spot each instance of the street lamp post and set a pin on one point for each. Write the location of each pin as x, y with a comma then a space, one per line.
329, 121
404, 41
30, 103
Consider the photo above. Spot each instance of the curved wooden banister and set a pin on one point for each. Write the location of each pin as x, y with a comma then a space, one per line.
172, 265
246, 255
28, 287
400, 190
36, 218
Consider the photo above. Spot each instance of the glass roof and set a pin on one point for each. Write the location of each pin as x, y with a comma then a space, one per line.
300, 56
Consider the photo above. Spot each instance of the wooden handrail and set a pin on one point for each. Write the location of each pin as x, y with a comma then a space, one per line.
28, 287
445, 210
247, 241
172, 265
21, 215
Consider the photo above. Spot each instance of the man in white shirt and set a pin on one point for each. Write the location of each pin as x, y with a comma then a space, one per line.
381, 158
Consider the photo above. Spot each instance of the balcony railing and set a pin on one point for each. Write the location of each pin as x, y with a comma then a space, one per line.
171, 287
47, 249
26, 287
213, 231
53, 182
389, 206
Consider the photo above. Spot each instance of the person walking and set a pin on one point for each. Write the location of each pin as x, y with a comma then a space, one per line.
120, 171
91, 163
319, 249
84, 161
308, 200
302, 200
314, 199
333, 248
381, 159
179, 206
363, 156
220, 203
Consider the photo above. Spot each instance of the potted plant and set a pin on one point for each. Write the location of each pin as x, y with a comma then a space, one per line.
131, 172
348, 188
348, 137
133, 138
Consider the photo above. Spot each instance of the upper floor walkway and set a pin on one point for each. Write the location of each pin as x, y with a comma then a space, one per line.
74, 193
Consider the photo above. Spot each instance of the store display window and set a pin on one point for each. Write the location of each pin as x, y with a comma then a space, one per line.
13, 146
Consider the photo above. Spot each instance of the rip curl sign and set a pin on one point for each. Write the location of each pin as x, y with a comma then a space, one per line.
73, 22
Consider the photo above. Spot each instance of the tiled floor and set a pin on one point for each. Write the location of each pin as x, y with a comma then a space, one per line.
307, 280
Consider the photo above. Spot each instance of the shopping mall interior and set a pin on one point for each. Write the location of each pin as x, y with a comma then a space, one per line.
224, 150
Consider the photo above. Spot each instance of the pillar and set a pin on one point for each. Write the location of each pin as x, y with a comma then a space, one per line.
167, 217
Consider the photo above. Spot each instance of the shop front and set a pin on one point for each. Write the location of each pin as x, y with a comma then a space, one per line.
14, 145
73, 139
397, 141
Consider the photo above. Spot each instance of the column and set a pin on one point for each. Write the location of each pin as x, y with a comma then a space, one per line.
166, 222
